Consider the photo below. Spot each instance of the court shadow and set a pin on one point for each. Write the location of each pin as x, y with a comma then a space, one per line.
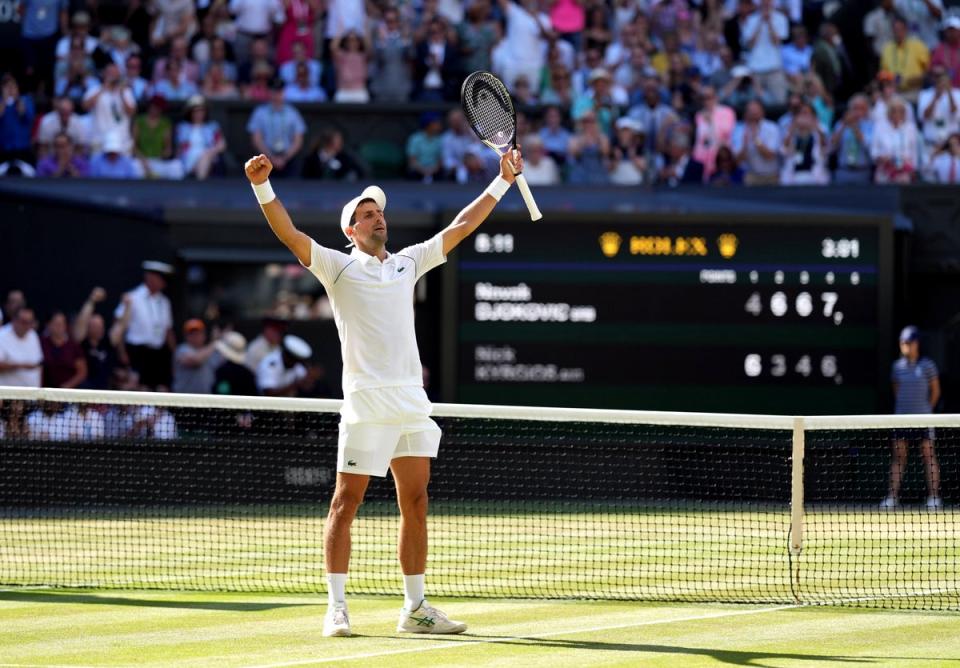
97, 599
730, 657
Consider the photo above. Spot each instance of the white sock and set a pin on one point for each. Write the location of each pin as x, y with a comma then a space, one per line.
336, 588
412, 591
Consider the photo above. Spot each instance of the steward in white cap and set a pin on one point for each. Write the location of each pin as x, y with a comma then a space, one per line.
146, 318
385, 419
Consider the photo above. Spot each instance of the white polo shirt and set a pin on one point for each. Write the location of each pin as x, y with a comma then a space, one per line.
372, 305
150, 320
271, 374
27, 350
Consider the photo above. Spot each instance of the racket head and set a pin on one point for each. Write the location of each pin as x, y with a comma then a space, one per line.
489, 110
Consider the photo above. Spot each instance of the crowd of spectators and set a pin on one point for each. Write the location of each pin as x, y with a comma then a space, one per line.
133, 347
611, 91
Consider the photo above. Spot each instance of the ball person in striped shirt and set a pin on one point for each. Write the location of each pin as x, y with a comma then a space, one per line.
384, 422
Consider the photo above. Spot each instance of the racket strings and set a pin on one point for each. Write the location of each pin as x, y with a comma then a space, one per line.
489, 109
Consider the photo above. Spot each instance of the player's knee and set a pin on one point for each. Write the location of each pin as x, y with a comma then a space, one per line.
345, 502
414, 504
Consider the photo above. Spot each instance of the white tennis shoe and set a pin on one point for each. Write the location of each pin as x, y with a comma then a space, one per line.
889, 503
427, 619
337, 621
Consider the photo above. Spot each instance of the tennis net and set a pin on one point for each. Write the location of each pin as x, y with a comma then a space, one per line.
131, 490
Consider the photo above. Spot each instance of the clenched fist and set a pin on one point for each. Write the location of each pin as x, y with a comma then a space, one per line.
258, 169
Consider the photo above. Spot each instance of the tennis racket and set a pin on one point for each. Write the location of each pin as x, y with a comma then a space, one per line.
489, 110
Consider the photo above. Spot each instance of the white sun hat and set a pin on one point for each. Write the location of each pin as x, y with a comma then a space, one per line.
370, 192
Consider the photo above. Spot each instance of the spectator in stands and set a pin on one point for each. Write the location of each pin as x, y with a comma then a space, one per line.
588, 153
652, 114
61, 119
524, 40
895, 147
678, 166
11, 306
270, 337
522, 93
709, 58
16, 122
174, 87
714, 125
138, 85
728, 172
947, 53
112, 162
259, 89
254, 20
328, 159
259, 56
80, 33
558, 90
45, 422
232, 376
174, 20
111, 106
628, 166
671, 49
64, 364
80, 423
796, 55
555, 137
756, 146
41, 22
477, 166
923, 17
916, 388
538, 167
220, 56
741, 88
89, 331
282, 373
851, 141
603, 98
148, 332
878, 26
763, 32
435, 64
830, 61
886, 90
350, 54
733, 27
476, 37
179, 54
153, 142
288, 71
938, 109
907, 58
276, 130
117, 44
21, 355
944, 164
195, 360
302, 90
73, 76
216, 86
299, 17
804, 151
392, 77
425, 150
596, 29
199, 141
456, 140
63, 162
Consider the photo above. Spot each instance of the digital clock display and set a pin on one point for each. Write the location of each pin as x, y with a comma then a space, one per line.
785, 316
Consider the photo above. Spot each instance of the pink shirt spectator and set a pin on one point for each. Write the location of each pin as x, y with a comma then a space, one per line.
299, 17
947, 57
351, 67
714, 129
567, 16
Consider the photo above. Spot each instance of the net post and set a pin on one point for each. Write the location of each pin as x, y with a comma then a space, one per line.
796, 487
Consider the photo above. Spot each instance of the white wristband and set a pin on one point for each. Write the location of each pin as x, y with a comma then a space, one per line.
498, 188
264, 192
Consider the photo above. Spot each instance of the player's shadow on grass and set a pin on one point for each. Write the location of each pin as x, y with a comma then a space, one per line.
731, 657
97, 599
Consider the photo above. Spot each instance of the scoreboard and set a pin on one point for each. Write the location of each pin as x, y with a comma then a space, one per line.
714, 313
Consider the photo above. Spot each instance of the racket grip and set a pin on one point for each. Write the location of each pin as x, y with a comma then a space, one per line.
528, 198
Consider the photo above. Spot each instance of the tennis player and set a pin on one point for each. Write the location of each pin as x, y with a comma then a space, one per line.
384, 422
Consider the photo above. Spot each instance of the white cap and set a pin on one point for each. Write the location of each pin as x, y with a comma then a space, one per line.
370, 192
233, 346
740, 71
113, 143
952, 21
297, 347
157, 267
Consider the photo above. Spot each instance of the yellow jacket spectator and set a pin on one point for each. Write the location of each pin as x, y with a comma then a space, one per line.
906, 57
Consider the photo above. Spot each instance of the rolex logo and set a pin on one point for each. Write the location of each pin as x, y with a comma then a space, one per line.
610, 243
728, 245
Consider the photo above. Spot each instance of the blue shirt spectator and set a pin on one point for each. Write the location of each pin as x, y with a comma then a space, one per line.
554, 136
425, 149
16, 122
276, 130
42, 19
851, 140
113, 163
796, 55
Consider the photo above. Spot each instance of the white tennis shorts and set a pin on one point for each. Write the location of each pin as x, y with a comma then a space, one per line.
380, 424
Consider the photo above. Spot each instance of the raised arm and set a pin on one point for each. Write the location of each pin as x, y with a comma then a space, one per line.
477, 211
82, 323
258, 171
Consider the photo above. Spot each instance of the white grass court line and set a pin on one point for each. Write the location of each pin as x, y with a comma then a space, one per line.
537, 636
